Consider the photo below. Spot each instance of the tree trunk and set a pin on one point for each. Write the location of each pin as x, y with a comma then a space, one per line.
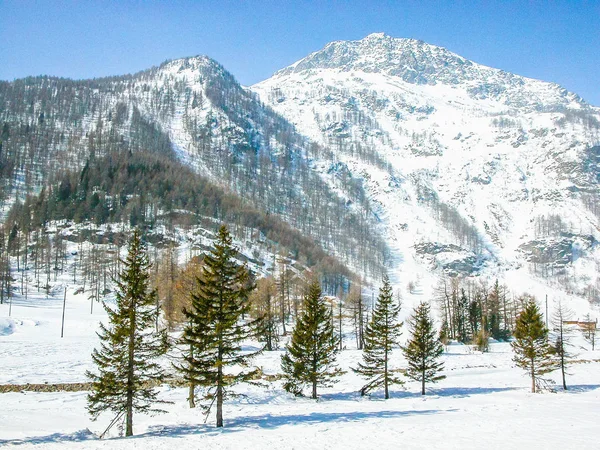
130, 372
314, 376
192, 395
532, 377
129, 417
385, 378
129, 402
562, 355
423, 385
220, 402
220, 388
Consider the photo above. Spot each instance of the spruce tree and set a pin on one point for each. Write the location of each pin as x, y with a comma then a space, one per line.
215, 326
127, 370
381, 336
533, 353
423, 349
310, 355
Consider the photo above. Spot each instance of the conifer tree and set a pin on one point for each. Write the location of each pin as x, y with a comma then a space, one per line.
562, 335
381, 336
126, 362
533, 353
263, 306
423, 349
589, 331
310, 356
215, 327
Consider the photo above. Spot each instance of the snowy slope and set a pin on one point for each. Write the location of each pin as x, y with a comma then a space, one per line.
192, 109
472, 169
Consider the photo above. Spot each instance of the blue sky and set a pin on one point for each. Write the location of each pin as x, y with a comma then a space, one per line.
554, 41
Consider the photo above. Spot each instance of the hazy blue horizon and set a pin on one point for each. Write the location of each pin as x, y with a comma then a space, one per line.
555, 42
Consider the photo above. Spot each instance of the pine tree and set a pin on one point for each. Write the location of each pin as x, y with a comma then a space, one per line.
381, 336
423, 349
310, 356
533, 353
215, 327
562, 335
126, 361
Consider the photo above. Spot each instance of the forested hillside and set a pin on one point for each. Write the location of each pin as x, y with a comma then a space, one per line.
179, 144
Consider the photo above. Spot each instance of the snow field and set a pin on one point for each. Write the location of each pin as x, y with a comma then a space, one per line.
484, 401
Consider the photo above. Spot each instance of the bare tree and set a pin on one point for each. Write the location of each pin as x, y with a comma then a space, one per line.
561, 334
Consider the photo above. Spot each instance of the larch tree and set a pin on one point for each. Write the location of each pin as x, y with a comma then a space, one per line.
263, 301
381, 336
181, 298
533, 352
423, 349
589, 331
215, 326
561, 338
356, 305
126, 362
310, 356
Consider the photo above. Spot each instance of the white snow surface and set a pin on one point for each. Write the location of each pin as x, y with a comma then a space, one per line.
484, 399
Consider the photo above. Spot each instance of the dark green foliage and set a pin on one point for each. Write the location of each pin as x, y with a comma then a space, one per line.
381, 336
310, 355
121, 187
126, 365
533, 353
462, 317
215, 327
423, 349
497, 330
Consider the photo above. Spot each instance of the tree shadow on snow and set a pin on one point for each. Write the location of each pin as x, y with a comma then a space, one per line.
469, 391
78, 436
266, 421
577, 388
269, 421
439, 392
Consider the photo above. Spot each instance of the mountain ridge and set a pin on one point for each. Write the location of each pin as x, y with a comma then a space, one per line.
417, 62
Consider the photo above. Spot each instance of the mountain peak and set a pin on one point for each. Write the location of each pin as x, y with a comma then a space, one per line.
413, 60
417, 62
376, 36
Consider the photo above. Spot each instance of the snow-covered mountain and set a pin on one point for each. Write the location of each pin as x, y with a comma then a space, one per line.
472, 169
194, 111
464, 169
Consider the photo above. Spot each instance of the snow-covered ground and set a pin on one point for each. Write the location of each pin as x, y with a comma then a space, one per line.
484, 402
